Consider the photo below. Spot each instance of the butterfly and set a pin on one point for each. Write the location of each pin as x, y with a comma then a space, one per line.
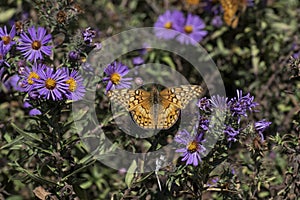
155, 109
231, 11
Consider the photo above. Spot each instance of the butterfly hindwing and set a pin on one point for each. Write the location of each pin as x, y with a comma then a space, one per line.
137, 102
173, 100
143, 115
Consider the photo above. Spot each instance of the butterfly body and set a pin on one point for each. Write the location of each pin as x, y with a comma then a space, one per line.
155, 109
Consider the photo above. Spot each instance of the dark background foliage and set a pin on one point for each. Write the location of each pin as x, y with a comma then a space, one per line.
256, 56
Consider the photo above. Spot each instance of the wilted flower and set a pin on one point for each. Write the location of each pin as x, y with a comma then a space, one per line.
192, 2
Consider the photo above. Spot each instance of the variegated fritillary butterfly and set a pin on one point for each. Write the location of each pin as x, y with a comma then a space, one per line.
231, 8
154, 109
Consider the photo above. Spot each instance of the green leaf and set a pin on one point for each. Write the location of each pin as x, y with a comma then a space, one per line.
27, 135
169, 61
33, 176
7, 14
11, 143
130, 174
263, 194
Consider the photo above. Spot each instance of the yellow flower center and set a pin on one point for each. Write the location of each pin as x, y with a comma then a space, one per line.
115, 78
72, 84
36, 45
188, 29
168, 25
50, 84
6, 39
83, 59
31, 76
192, 146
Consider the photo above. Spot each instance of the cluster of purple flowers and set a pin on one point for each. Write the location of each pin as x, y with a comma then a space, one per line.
234, 109
37, 79
41, 81
173, 24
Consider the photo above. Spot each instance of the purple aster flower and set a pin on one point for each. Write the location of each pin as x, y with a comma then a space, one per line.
7, 38
231, 134
204, 104
76, 89
88, 35
145, 49
295, 49
193, 147
296, 55
203, 123
34, 112
115, 76
98, 45
193, 30
52, 85
74, 56
2, 70
3, 52
30, 75
241, 104
138, 60
14, 83
260, 127
250, 3
34, 45
167, 22
213, 181
26, 104
217, 21
218, 103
